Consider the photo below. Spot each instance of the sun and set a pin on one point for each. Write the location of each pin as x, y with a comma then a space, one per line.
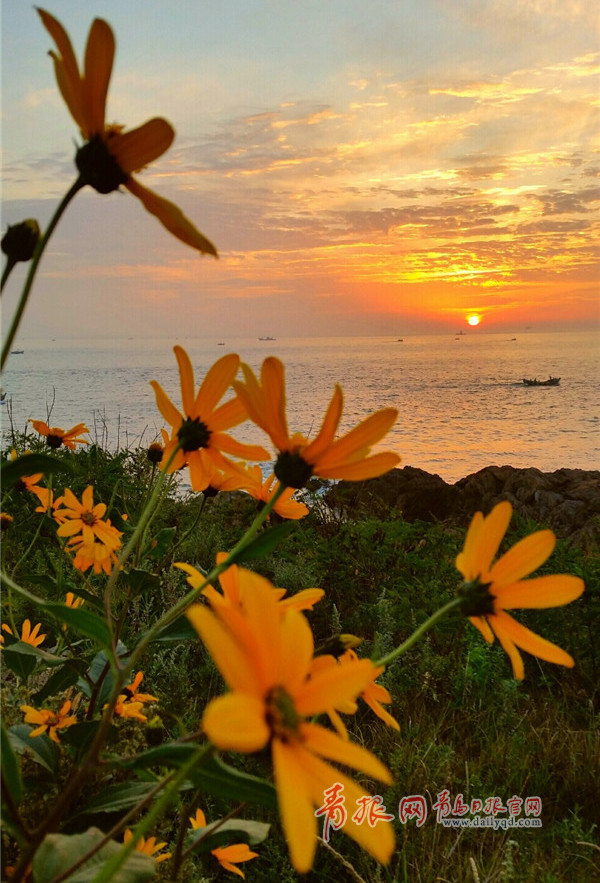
474, 319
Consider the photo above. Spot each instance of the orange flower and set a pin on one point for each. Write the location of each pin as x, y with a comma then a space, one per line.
86, 519
200, 429
94, 554
227, 856
237, 582
55, 436
492, 589
110, 155
346, 458
130, 702
265, 657
27, 482
373, 694
28, 635
148, 846
49, 721
46, 498
263, 490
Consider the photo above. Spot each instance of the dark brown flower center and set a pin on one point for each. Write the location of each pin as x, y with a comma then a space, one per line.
88, 518
282, 717
477, 600
193, 434
155, 452
98, 167
292, 470
54, 441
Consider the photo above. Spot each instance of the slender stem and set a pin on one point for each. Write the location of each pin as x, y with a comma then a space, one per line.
29, 548
108, 870
39, 250
14, 810
192, 528
10, 265
398, 651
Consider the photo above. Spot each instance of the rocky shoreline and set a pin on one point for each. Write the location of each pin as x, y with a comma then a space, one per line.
567, 500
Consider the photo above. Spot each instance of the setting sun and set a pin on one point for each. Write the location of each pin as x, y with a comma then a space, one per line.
474, 319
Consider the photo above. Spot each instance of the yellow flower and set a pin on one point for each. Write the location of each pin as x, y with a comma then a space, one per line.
263, 490
46, 498
493, 588
346, 458
92, 554
49, 721
6, 521
130, 702
55, 436
28, 635
110, 155
200, 429
27, 482
227, 856
73, 601
237, 582
265, 657
86, 519
148, 846
373, 694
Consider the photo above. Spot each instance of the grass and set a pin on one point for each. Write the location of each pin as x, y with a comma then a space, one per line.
466, 725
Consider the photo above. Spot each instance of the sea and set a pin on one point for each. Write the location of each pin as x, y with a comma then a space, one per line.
461, 398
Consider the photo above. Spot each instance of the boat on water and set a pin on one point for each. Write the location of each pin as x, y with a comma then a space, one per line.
267, 338
552, 381
17, 352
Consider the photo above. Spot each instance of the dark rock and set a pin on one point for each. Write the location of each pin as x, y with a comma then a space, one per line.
568, 500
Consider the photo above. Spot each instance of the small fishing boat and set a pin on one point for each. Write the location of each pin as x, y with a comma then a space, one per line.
552, 381
17, 352
267, 338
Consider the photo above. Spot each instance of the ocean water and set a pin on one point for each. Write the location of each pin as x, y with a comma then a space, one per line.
461, 400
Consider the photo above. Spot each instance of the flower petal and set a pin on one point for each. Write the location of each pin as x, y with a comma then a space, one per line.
542, 591
66, 70
99, 57
329, 745
166, 406
327, 688
530, 642
481, 624
295, 805
328, 429
217, 381
370, 467
171, 217
186, 375
362, 437
229, 445
489, 538
523, 558
230, 659
230, 413
137, 148
236, 722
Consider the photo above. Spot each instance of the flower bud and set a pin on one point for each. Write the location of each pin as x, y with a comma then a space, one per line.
20, 241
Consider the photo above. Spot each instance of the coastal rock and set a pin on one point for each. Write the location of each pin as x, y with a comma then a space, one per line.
568, 500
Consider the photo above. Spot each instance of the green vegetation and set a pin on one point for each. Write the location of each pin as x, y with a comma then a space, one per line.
466, 725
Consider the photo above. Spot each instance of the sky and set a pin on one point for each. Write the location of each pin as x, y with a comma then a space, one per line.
364, 168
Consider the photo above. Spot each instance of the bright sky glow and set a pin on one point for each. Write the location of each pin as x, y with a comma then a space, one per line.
363, 168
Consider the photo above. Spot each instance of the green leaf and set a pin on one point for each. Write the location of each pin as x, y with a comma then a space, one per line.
161, 543
59, 852
80, 735
232, 831
61, 679
172, 754
221, 780
180, 629
20, 662
41, 748
29, 464
142, 581
11, 771
264, 543
85, 622
116, 798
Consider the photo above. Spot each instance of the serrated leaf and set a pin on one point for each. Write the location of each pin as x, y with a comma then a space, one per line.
61, 679
264, 543
29, 464
232, 831
41, 748
11, 771
84, 622
142, 581
180, 629
58, 852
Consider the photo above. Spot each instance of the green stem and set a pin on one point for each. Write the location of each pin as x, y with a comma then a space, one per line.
398, 651
108, 870
39, 250
192, 528
10, 265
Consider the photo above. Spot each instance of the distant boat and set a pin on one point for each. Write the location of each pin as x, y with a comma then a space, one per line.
220, 344
17, 352
400, 340
267, 338
552, 381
